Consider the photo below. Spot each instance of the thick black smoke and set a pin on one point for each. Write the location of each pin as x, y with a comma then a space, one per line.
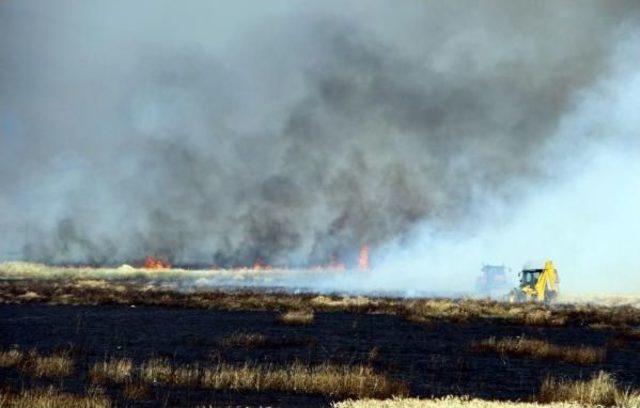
293, 137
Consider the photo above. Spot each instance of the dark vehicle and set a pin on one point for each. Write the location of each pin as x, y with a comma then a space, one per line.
493, 280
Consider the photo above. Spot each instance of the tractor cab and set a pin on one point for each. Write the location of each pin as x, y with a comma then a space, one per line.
529, 277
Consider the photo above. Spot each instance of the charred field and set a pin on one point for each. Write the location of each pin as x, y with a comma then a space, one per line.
138, 342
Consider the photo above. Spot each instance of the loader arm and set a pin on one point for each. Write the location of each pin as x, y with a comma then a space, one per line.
548, 280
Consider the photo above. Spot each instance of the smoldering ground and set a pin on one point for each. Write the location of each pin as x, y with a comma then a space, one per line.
290, 132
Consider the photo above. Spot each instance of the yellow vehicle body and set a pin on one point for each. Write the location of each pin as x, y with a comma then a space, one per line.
539, 285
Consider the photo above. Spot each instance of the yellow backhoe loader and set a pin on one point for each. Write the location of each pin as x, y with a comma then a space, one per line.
537, 284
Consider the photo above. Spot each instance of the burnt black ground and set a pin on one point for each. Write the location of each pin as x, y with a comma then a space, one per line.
435, 360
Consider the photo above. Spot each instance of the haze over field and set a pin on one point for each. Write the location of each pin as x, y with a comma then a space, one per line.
442, 134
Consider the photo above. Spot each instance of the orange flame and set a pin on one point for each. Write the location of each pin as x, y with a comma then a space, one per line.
154, 263
260, 264
363, 258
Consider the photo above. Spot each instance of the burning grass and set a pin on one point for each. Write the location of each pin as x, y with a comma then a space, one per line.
600, 390
53, 398
296, 317
540, 349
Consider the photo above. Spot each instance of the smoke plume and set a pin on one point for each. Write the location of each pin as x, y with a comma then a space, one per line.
288, 132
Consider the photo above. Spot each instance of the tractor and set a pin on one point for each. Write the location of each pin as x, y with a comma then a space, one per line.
539, 284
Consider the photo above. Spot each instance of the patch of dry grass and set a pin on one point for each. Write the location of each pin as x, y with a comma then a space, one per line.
327, 379
113, 370
344, 303
156, 370
162, 371
601, 326
465, 310
540, 349
543, 318
600, 390
136, 390
53, 398
447, 402
11, 358
246, 340
630, 335
54, 366
257, 340
186, 376
296, 317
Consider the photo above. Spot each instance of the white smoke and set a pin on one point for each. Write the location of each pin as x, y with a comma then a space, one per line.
587, 220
